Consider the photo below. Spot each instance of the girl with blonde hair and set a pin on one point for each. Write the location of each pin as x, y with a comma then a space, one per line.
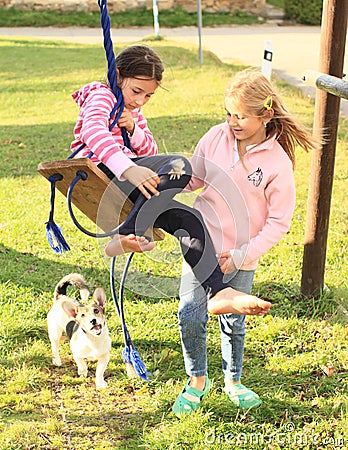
255, 95
244, 170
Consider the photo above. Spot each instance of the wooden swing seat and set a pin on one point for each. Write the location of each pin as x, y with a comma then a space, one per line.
97, 197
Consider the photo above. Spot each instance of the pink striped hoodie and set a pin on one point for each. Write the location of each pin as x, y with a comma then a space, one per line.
247, 205
96, 101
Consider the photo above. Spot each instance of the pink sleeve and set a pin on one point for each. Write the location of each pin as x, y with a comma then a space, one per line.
142, 140
107, 146
198, 169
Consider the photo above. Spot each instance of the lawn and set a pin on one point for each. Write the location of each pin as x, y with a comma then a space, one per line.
296, 357
134, 17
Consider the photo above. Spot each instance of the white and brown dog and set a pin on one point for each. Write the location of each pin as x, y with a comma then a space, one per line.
85, 326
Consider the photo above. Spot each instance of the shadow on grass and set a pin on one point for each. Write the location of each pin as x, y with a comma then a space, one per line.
287, 301
29, 271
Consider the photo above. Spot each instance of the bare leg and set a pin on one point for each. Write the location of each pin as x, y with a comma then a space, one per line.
198, 382
230, 301
120, 244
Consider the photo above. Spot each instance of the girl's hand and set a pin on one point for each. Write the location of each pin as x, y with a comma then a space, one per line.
145, 179
226, 262
126, 121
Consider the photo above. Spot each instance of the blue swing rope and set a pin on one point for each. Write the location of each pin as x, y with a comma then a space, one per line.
131, 358
134, 364
112, 75
81, 175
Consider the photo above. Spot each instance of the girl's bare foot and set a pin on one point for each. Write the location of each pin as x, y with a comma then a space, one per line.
230, 301
120, 244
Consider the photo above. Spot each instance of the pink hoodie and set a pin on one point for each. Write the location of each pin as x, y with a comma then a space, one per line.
248, 205
96, 101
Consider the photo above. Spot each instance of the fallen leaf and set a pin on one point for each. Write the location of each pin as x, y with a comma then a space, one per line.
328, 369
338, 404
315, 402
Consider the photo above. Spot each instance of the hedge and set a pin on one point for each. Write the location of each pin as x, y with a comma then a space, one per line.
307, 12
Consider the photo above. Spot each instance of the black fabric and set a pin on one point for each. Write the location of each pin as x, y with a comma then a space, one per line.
177, 219
71, 328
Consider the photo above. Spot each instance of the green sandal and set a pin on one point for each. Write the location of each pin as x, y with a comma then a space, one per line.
190, 399
242, 396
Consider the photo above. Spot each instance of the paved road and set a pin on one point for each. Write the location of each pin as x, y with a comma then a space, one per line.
295, 48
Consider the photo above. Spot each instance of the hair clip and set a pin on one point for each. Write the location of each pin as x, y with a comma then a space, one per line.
268, 103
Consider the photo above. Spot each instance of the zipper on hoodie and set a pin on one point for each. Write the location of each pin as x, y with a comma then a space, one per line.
235, 154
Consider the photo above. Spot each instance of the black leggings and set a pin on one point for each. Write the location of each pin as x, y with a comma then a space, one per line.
177, 219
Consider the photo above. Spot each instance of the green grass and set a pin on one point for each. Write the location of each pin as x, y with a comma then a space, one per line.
295, 358
277, 3
140, 17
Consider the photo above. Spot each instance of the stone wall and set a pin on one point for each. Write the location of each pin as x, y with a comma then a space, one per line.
252, 6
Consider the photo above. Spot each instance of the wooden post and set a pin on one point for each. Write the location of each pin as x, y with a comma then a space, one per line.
327, 106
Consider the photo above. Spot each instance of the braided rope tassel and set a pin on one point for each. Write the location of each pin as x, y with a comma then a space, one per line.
54, 234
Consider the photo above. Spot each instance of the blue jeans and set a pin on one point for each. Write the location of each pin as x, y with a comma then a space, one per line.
193, 318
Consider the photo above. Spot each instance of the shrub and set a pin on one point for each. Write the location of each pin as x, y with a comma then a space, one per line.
307, 12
